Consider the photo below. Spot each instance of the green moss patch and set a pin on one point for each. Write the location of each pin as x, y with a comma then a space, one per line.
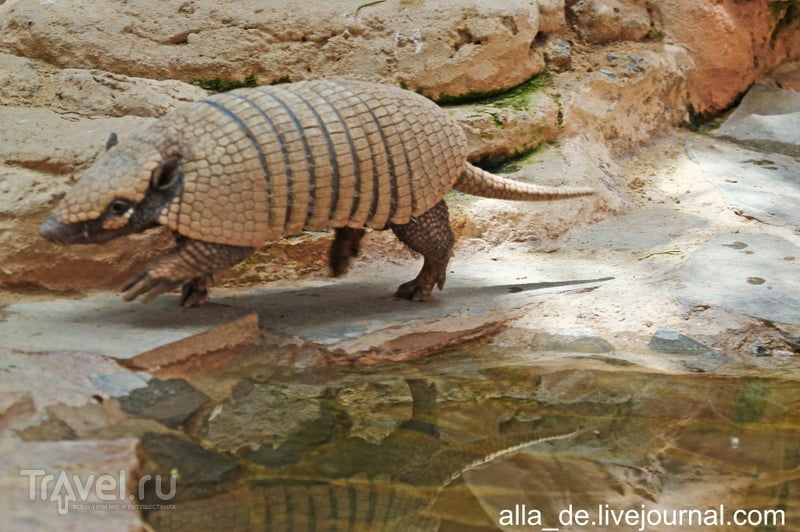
504, 163
516, 97
224, 85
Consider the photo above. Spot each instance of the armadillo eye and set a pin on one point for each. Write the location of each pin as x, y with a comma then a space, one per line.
119, 207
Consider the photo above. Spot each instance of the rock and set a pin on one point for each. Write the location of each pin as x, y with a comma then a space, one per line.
46, 141
170, 402
552, 16
509, 127
557, 54
158, 334
78, 373
756, 185
717, 274
575, 387
450, 48
170, 455
256, 415
119, 383
767, 119
17, 408
488, 38
51, 429
295, 447
609, 108
731, 44
602, 21
667, 341
787, 76
25, 83
575, 340
376, 409
107, 94
350, 321
108, 469
19, 80
654, 227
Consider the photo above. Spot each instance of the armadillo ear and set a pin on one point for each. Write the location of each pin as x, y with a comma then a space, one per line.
112, 141
167, 175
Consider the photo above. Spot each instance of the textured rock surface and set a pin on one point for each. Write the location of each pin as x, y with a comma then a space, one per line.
757, 185
148, 336
63, 460
500, 132
601, 21
440, 47
754, 274
731, 44
647, 82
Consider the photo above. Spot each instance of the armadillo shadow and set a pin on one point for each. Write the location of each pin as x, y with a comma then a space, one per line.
360, 314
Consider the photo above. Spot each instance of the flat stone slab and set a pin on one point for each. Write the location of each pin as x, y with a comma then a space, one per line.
768, 119
81, 376
118, 329
355, 315
755, 274
636, 233
764, 186
100, 466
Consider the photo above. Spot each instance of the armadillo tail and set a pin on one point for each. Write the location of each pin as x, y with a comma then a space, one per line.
478, 182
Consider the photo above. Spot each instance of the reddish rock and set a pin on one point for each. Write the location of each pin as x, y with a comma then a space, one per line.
602, 21
731, 44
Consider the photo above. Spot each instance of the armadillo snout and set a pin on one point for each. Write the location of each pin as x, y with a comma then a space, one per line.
54, 231
58, 232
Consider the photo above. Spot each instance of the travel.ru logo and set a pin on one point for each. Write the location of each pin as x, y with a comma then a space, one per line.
106, 491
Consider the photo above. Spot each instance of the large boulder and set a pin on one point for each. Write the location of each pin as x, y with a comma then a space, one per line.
602, 21
731, 43
440, 47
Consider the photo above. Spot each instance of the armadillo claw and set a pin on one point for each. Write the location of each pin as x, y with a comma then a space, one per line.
414, 291
195, 292
145, 284
420, 289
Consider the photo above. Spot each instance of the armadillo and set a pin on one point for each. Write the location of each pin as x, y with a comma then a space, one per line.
235, 170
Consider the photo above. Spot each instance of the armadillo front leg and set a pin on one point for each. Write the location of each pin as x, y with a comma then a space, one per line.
189, 266
430, 235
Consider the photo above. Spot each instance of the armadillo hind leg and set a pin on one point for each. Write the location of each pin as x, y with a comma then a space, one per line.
346, 246
190, 266
430, 235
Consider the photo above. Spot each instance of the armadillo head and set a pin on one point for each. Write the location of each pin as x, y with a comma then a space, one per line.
121, 193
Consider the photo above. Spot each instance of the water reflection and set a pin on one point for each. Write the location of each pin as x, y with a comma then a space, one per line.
451, 444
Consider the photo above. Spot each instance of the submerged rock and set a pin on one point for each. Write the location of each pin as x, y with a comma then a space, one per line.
575, 339
170, 402
260, 415
673, 342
